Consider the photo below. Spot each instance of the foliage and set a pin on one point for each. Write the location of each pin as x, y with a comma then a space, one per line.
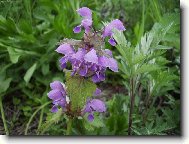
79, 89
148, 52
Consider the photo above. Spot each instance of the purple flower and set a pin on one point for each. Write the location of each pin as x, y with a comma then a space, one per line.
85, 12
91, 57
97, 92
94, 105
115, 24
65, 49
57, 95
86, 62
86, 22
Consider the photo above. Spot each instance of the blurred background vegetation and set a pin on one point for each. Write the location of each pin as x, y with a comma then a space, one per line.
29, 32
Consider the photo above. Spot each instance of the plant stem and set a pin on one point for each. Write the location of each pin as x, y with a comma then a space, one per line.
31, 118
40, 119
3, 117
69, 127
132, 100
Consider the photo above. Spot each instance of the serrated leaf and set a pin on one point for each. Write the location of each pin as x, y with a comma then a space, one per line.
96, 123
51, 119
79, 89
146, 68
138, 58
30, 72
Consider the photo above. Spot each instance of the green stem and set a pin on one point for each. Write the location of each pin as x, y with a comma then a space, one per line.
40, 119
31, 118
69, 127
3, 117
132, 100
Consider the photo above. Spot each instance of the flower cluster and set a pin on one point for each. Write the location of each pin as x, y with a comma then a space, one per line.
88, 59
60, 99
57, 95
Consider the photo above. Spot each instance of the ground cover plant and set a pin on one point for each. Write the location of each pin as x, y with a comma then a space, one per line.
119, 74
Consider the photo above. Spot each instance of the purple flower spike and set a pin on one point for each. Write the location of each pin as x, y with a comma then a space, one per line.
91, 56
85, 12
65, 49
112, 42
77, 29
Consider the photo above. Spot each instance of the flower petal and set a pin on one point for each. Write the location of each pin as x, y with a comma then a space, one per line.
55, 95
95, 78
63, 61
113, 65
91, 57
65, 49
56, 85
86, 23
85, 12
61, 102
117, 24
79, 55
112, 42
108, 52
83, 71
77, 29
97, 92
90, 117
54, 109
97, 105
103, 61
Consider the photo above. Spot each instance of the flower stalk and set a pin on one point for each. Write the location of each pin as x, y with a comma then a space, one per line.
69, 126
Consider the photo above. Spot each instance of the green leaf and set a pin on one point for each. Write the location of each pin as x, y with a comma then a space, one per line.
51, 119
96, 123
138, 59
13, 54
16, 101
163, 47
79, 89
45, 69
30, 72
146, 68
4, 85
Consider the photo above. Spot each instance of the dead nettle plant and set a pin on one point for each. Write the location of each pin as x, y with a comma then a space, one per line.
89, 61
